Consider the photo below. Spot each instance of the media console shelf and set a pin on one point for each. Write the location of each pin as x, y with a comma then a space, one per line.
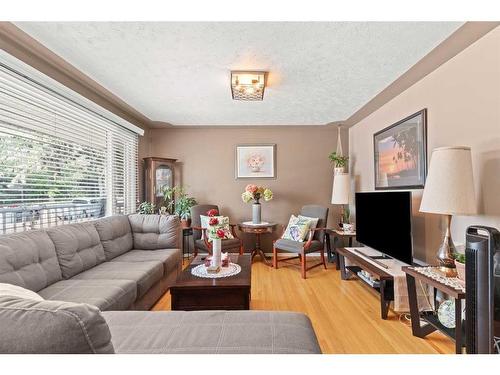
358, 263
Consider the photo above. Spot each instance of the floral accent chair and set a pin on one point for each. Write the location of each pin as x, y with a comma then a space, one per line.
314, 242
200, 238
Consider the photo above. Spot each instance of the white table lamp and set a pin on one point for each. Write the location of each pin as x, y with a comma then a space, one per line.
340, 191
449, 190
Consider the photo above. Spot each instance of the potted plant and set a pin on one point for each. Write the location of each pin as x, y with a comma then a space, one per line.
183, 206
255, 193
346, 220
147, 208
460, 265
339, 162
168, 199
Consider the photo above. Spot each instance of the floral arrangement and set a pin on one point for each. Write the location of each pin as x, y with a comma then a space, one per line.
255, 162
217, 226
255, 193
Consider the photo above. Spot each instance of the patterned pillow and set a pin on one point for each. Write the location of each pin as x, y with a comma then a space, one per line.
296, 229
314, 223
223, 224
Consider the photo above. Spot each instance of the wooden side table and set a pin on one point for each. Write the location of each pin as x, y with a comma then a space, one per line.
186, 235
258, 230
337, 234
430, 317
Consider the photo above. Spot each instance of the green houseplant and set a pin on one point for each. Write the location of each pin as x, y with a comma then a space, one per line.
183, 206
460, 265
147, 208
169, 199
339, 161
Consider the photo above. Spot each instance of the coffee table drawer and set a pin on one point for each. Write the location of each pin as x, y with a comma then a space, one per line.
219, 298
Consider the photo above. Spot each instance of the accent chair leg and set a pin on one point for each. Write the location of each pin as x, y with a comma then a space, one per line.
303, 263
241, 248
275, 257
322, 253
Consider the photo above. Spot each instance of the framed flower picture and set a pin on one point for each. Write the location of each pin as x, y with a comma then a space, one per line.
256, 161
401, 154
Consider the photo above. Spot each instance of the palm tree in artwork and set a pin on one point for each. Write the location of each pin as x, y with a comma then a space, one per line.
406, 143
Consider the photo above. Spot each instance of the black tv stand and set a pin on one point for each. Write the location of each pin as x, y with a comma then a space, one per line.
386, 280
379, 257
374, 258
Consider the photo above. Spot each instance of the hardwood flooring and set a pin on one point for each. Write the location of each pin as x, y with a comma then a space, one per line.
345, 314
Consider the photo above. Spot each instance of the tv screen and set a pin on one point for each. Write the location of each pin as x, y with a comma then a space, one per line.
383, 222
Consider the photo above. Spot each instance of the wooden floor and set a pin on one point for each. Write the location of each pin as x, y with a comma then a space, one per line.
345, 314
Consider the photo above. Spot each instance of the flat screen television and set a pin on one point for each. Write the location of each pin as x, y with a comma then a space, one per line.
383, 222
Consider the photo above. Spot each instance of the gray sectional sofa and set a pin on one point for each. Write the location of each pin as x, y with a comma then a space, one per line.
115, 263
61, 291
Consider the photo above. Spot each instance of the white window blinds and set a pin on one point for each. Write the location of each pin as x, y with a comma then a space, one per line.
59, 161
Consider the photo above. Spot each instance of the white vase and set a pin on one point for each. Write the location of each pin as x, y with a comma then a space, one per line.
216, 253
256, 213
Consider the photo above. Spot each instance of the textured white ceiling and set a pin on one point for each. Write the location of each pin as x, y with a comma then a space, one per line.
178, 73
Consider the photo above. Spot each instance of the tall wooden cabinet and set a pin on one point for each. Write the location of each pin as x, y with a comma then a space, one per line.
158, 172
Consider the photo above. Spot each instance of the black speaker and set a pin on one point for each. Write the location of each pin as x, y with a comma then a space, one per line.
482, 285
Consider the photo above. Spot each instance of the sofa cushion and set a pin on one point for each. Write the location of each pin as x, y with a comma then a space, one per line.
104, 294
78, 247
115, 234
32, 326
28, 260
296, 247
145, 274
171, 258
155, 231
198, 332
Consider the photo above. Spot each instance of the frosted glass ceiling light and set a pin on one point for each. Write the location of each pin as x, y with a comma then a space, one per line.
248, 85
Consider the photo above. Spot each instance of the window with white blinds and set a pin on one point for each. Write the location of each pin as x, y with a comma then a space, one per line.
59, 161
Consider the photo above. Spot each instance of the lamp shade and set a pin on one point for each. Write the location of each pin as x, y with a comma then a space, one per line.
340, 191
449, 188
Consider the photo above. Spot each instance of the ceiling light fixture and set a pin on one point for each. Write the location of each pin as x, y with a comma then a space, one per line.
248, 85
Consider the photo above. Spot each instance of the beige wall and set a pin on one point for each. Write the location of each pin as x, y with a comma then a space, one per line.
207, 156
463, 102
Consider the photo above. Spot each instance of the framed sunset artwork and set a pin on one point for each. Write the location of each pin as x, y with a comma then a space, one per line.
401, 154
256, 161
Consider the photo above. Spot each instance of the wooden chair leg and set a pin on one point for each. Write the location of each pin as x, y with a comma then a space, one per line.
241, 249
322, 252
303, 263
275, 257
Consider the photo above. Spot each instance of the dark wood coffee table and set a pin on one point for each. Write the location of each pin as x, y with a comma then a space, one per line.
228, 293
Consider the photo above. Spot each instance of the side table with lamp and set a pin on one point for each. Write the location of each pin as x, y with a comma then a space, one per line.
340, 196
336, 235
449, 190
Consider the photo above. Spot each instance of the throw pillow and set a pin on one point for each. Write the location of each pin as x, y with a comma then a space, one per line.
296, 229
314, 223
223, 224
